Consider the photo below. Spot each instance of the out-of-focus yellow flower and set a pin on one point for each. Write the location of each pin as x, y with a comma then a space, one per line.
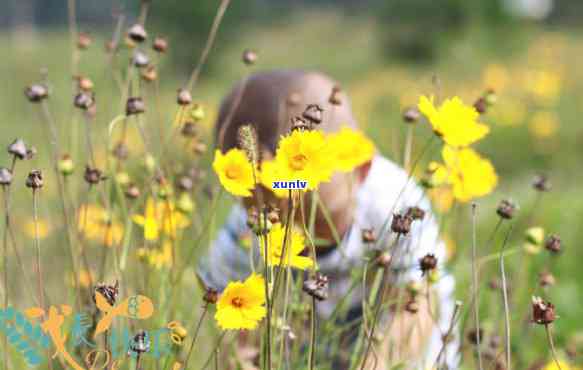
235, 172
294, 248
44, 228
535, 235
156, 257
543, 84
269, 174
441, 198
97, 225
350, 149
544, 124
552, 365
84, 277
304, 156
456, 123
149, 221
242, 304
171, 219
510, 113
470, 175
495, 76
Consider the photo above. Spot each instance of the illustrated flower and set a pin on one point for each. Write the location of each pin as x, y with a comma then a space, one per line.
235, 172
350, 149
304, 156
96, 224
456, 123
157, 258
242, 304
270, 173
470, 175
149, 221
294, 248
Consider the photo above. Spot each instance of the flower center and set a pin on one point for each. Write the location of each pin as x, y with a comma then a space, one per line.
298, 162
233, 173
237, 302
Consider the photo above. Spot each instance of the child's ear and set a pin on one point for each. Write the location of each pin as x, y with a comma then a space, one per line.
362, 171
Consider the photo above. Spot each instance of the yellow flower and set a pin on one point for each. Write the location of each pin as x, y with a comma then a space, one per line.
456, 123
242, 304
96, 224
149, 221
275, 248
270, 173
157, 258
304, 156
544, 124
44, 228
170, 219
350, 149
470, 175
235, 172
552, 365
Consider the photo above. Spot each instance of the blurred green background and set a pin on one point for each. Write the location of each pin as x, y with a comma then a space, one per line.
384, 54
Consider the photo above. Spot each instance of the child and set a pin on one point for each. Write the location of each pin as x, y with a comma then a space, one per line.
355, 201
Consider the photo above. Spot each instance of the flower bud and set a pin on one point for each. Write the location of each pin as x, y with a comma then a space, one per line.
401, 224
368, 236
137, 33
184, 183
546, 279
36, 92
428, 263
160, 44
18, 149
35, 180
317, 287
506, 209
412, 306
383, 259
183, 97
135, 105
490, 97
185, 203
149, 74
543, 313
140, 59
85, 84
5, 176
481, 106
84, 41
122, 178
553, 244
541, 183
93, 175
121, 151
535, 235
476, 336
84, 100
65, 165
188, 129
416, 213
150, 162
132, 192
411, 115
249, 57
211, 296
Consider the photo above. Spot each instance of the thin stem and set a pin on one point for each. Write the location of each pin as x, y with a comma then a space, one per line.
505, 297
196, 331
408, 148
219, 341
312, 360
452, 323
475, 287
552, 345
37, 247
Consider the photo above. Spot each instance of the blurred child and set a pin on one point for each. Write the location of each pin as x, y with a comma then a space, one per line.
356, 201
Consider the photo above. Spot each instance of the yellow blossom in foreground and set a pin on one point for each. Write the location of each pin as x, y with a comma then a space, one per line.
270, 173
96, 224
235, 172
291, 258
149, 221
242, 304
305, 156
350, 149
456, 123
552, 365
157, 258
470, 175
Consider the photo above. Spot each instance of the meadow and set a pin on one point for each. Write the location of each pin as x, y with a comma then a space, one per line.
532, 85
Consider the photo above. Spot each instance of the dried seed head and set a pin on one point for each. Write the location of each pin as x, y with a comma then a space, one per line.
140, 343
84, 41
109, 292
298, 123
368, 236
160, 44
36, 93
506, 209
313, 114
140, 59
249, 57
411, 115
412, 306
211, 296
66, 165
199, 148
481, 106
84, 83
5, 176
149, 74
132, 191
476, 336
543, 313
189, 129
546, 279
335, 96
121, 151
247, 138
135, 105
273, 214
541, 183
259, 224
317, 287
383, 259
18, 149
184, 183
84, 100
183, 97
401, 224
416, 213
428, 263
553, 243
35, 180
93, 175
137, 33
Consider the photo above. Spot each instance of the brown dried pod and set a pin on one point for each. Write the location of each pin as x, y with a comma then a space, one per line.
18, 149
411, 115
506, 209
135, 105
428, 263
416, 213
317, 287
84, 100
160, 44
137, 33
401, 224
368, 236
543, 313
35, 180
93, 175
249, 57
184, 97
36, 93
211, 296
541, 183
553, 243
481, 106
5, 176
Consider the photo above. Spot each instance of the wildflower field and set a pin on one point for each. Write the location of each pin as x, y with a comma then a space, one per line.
114, 188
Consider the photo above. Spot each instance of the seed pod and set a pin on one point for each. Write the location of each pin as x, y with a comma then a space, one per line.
18, 149
506, 209
35, 180
428, 263
36, 93
416, 213
481, 106
368, 236
211, 296
84, 100
132, 191
335, 98
93, 175
313, 114
273, 214
5, 176
490, 97
383, 259
184, 97
84, 83
140, 59
160, 44
149, 74
411, 115
543, 313
401, 224
553, 244
249, 57
84, 41
188, 129
317, 287
135, 105
121, 151
109, 292
66, 165
184, 183
546, 279
541, 183
137, 33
